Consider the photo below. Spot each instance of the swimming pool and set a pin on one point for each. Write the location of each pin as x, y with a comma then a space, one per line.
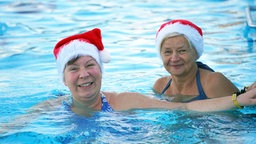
30, 29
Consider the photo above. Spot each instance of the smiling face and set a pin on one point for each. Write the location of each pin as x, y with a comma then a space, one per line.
83, 78
178, 55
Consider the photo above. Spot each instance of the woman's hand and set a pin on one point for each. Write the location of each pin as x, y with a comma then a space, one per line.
248, 98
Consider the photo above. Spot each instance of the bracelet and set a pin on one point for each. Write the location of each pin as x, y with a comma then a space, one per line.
234, 99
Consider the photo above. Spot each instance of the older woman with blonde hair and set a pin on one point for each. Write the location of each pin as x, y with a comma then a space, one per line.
180, 44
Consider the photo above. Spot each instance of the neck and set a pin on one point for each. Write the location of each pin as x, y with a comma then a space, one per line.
185, 81
83, 108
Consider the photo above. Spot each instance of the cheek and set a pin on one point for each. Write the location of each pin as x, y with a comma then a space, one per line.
191, 57
165, 59
194, 54
97, 73
69, 78
66, 80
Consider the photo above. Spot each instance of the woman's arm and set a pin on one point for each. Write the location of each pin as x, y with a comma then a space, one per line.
128, 101
132, 100
223, 103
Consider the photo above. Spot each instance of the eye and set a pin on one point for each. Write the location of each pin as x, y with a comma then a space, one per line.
91, 64
182, 51
72, 68
167, 52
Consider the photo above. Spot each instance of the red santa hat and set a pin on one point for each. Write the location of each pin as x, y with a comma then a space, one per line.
87, 43
190, 30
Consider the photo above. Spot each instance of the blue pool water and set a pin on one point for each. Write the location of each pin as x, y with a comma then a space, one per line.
28, 74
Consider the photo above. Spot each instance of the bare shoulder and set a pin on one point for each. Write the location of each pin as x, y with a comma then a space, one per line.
208, 75
215, 84
214, 77
113, 97
160, 83
125, 100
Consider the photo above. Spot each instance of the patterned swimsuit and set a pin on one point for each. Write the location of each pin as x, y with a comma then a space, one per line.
105, 105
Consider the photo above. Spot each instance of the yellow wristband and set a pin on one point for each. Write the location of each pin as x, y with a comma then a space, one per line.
234, 97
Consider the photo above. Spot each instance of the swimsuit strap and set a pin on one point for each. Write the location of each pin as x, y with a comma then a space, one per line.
199, 86
201, 95
105, 105
204, 66
166, 87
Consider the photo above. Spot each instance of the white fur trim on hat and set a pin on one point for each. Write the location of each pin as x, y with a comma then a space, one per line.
105, 56
192, 34
76, 48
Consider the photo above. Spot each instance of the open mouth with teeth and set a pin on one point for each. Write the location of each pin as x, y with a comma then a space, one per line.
85, 84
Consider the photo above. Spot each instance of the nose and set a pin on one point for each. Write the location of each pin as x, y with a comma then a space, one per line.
83, 73
174, 57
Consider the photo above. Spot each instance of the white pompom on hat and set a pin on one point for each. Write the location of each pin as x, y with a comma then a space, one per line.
190, 30
87, 43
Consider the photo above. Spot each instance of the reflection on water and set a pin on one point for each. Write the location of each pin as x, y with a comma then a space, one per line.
31, 7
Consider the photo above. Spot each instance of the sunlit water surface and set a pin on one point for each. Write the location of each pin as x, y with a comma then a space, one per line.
30, 29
